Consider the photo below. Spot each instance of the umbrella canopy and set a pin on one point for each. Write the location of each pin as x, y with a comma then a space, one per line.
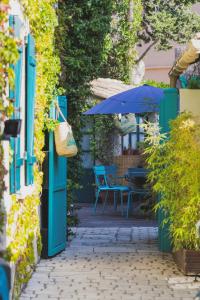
138, 100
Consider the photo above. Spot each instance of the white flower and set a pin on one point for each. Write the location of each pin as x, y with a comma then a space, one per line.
152, 131
187, 124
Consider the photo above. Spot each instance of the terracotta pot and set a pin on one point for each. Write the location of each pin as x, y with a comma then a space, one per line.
188, 261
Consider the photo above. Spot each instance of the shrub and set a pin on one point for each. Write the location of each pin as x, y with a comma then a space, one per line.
174, 166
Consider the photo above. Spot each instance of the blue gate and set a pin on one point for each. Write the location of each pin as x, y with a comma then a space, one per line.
169, 109
57, 211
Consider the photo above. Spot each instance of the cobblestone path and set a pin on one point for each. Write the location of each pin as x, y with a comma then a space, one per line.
111, 264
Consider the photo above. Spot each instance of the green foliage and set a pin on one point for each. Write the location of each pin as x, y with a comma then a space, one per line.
93, 43
8, 56
80, 37
2, 186
82, 29
120, 53
24, 266
175, 173
161, 84
50, 124
43, 21
103, 143
21, 248
118, 58
21, 232
194, 83
167, 21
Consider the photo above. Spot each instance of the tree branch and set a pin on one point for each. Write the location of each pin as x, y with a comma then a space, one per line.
146, 51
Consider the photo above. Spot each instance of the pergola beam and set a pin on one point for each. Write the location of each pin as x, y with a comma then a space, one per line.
188, 57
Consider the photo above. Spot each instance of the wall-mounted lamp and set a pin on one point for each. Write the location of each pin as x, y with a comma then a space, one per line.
12, 128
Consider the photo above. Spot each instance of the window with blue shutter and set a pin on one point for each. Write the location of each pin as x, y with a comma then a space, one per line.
30, 107
15, 95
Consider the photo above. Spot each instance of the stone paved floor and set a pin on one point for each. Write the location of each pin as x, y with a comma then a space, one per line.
111, 218
111, 264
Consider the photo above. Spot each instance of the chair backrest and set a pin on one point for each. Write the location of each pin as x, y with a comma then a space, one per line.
137, 177
105, 175
137, 172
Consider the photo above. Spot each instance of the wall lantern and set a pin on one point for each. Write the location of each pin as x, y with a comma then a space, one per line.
12, 128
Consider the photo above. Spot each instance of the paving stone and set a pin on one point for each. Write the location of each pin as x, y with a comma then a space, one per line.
111, 264
182, 279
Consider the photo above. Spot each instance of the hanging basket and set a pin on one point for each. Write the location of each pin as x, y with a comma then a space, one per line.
64, 139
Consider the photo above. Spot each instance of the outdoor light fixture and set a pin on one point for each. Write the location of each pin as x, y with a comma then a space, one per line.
12, 128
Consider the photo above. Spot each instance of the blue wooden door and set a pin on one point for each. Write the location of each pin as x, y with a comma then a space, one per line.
57, 208
169, 110
4, 280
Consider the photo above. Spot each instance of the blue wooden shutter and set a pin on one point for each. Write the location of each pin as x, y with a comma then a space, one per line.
15, 94
30, 108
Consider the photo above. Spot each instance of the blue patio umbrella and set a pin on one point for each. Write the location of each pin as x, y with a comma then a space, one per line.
138, 100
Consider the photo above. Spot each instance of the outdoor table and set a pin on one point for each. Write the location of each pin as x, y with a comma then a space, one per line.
137, 178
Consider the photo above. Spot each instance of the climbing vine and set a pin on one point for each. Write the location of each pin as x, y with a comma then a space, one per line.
120, 52
118, 60
25, 235
83, 26
43, 20
8, 56
95, 39
22, 238
103, 143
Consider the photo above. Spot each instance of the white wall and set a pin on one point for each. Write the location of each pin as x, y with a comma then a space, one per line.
190, 101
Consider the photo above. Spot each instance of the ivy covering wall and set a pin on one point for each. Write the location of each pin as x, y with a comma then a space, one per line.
119, 46
118, 61
83, 26
8, 56
25, 235
95, 39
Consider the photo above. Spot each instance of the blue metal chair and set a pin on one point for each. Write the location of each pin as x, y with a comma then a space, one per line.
139, 173
106, 180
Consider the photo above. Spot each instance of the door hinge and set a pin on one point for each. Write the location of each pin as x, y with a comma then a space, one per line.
25, 155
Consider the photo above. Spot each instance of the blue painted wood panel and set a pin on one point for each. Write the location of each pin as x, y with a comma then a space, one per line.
169, 110
4, 280
15, 94
57, 208
30, 108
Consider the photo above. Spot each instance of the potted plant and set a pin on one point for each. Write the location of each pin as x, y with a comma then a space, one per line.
174, 165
